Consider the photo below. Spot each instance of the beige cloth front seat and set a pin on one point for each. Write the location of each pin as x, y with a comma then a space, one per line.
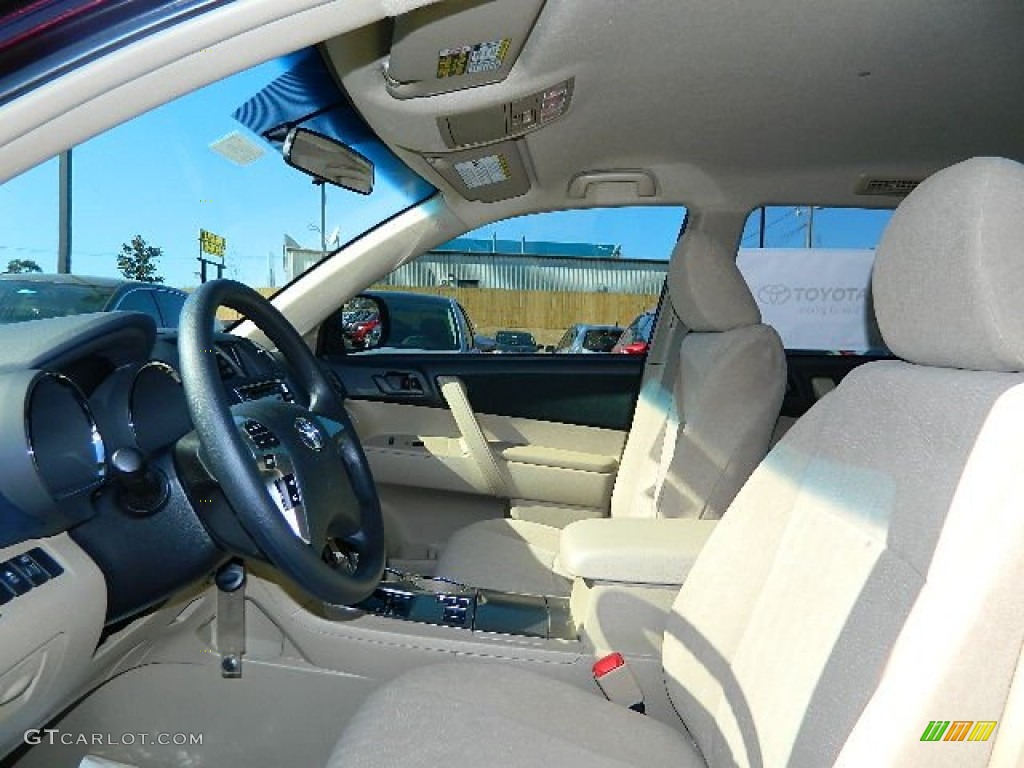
728, 390
867, 579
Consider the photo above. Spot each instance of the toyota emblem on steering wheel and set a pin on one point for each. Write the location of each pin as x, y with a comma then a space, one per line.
309, 434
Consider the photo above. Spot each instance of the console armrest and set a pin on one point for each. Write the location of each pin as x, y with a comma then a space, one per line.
633, 550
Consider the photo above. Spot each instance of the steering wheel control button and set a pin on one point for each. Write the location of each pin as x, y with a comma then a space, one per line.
269, 461
260, 435
309, 434
292, 488
32, 570
14, 579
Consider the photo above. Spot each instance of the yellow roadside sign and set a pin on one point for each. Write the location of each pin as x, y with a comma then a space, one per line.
212, 244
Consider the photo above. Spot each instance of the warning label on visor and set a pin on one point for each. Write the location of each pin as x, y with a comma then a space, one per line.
469, 59
492, 169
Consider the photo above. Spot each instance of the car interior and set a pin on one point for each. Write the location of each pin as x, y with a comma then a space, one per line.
229, 548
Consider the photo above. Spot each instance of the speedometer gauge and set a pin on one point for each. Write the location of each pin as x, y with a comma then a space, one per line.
157, 411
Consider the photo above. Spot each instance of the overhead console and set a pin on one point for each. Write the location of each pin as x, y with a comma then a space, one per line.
507, 120
453, 46
457, 44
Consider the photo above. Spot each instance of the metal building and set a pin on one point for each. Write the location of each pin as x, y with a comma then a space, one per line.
517, 265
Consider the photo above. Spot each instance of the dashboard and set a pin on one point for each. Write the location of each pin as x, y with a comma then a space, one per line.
79, 565
73, 391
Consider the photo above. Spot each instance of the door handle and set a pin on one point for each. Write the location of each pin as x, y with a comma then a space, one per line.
491, 466
400, 384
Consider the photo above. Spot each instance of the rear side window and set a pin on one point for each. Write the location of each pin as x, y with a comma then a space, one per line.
170, 304
140, 301
600, 339
809, 269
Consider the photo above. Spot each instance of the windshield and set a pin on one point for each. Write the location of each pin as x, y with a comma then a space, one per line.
34, 300
198, 189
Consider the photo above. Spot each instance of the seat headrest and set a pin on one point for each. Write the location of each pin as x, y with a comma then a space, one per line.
948, 281
708, 292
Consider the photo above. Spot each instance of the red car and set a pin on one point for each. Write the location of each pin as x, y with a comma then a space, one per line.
637, 337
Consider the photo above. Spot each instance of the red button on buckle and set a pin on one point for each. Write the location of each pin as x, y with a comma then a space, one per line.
607, 664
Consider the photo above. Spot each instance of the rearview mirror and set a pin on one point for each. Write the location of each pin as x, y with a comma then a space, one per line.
328, 159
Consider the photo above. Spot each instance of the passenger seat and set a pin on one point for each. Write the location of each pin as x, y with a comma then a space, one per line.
721, 411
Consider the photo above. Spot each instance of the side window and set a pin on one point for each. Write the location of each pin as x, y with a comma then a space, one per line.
809, 269
140, 300
524, 282
170, 304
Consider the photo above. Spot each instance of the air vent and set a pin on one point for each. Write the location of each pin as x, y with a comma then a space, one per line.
889, 187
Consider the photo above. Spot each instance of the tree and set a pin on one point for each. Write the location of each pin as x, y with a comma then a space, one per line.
17, 266
137, 260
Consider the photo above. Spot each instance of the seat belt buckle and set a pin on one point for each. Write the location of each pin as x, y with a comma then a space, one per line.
618, 683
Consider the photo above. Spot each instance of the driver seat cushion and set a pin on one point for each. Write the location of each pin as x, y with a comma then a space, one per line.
510, 555
500, 716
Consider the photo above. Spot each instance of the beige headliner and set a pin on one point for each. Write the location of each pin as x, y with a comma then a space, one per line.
733, 104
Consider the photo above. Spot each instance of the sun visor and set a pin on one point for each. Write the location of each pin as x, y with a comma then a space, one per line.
487, 174
457, 44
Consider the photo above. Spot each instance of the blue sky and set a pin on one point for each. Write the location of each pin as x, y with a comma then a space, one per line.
156, 176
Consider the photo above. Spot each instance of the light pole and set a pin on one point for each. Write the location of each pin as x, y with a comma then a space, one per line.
323, 216
64, 213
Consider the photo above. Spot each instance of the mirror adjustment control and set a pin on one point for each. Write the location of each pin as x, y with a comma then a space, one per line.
14, 579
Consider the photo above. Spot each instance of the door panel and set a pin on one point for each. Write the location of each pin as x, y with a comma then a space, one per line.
422, 447
544, 423
587, 390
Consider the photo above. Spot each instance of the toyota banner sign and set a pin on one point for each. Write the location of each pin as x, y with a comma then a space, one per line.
815, 298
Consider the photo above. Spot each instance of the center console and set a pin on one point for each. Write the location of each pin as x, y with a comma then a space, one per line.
481, 610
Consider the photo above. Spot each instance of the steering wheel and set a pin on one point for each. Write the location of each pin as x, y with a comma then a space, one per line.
293, 473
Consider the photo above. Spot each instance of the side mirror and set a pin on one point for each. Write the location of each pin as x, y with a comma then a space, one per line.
328, 159
357, 327
549, 348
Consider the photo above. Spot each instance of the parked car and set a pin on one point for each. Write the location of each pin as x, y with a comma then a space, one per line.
514, 342
35, 296
364, 333
637, 337
583, 339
